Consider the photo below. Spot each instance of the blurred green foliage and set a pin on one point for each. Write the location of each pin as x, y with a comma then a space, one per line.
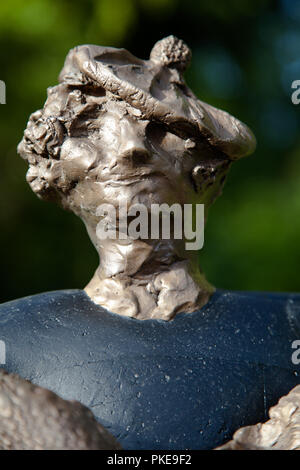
245, 56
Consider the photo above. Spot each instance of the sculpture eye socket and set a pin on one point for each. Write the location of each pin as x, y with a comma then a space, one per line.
155, 132
162, 138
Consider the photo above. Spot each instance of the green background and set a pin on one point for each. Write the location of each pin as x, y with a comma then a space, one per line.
245, 57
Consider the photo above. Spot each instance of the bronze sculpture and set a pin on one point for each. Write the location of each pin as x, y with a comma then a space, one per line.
120, 129
281, 432
32, 418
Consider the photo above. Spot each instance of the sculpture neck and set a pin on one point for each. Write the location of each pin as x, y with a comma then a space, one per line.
147, 279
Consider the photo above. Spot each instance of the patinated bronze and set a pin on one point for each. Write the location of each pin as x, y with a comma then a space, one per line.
33, 418
120, 129
281, 432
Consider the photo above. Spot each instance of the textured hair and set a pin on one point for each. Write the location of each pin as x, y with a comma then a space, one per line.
68, 112
153, 89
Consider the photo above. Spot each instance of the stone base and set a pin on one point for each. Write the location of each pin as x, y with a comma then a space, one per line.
184, 384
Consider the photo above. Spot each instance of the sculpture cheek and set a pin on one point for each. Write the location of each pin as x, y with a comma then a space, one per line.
78, 156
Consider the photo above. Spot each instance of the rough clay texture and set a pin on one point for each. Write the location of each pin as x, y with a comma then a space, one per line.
33, 418
118, 129
281, 432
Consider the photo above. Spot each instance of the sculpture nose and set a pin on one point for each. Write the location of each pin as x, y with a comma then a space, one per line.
136, 152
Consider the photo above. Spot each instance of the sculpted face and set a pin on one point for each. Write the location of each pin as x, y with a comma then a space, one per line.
126, 159
119, 130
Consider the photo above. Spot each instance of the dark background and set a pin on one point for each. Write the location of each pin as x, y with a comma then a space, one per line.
245, 57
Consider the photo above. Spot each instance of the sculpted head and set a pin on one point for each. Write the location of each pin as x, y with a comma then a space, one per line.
120, 129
